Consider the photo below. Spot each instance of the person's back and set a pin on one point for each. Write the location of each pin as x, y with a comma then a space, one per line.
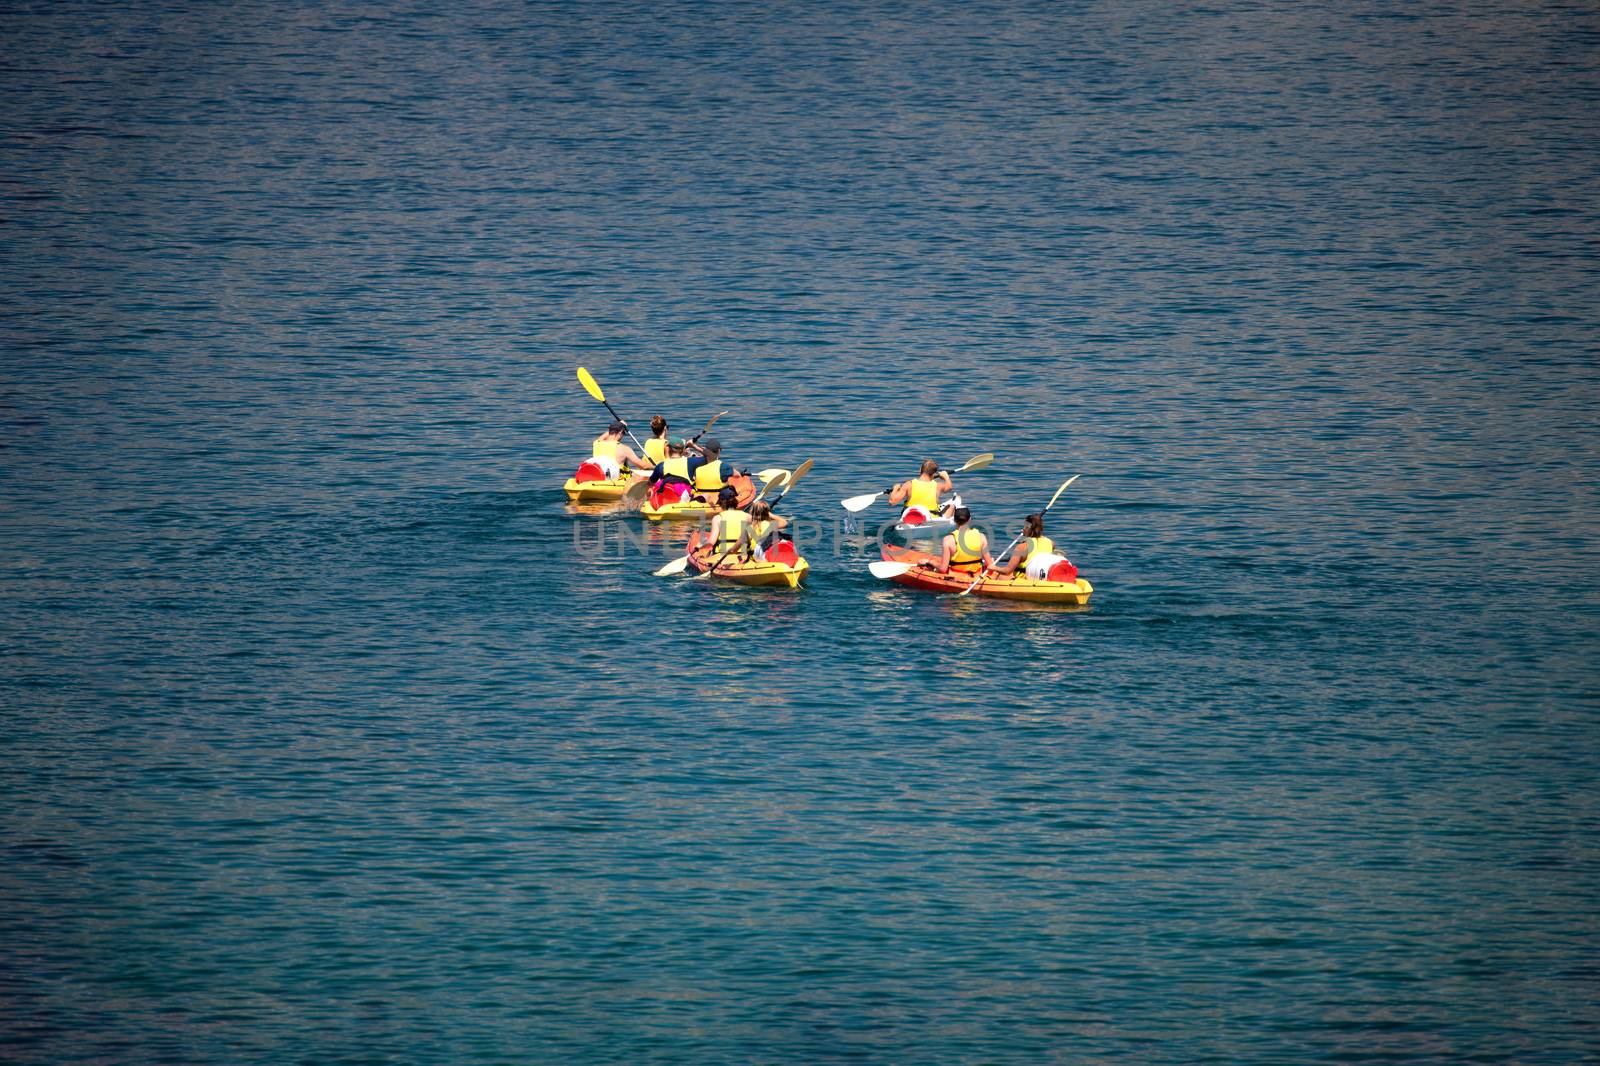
655, 449
966, 550
922, 492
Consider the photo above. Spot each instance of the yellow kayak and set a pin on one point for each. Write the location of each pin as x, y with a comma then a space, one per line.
598, 491
782, 568
690, 509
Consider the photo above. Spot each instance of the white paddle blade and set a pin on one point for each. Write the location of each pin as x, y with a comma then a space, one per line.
677, 566
977, 462
885, 570
772, 473
1059, 491
857, 504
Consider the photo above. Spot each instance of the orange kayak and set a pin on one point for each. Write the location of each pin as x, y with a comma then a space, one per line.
1022, 588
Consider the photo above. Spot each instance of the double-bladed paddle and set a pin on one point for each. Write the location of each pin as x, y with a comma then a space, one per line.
856, 504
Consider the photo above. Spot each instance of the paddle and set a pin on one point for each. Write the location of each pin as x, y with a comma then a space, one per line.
788, 483
770, 472
857, 504
709, 424
592, 387
1018, 537
885, 569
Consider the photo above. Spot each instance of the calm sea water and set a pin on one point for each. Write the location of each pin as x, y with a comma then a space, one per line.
330, 733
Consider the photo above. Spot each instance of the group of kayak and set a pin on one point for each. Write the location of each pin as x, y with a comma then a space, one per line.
674, 478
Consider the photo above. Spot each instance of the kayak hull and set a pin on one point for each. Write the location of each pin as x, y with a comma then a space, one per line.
1022, 589
751, 572
597, 491
936, 528
693, 510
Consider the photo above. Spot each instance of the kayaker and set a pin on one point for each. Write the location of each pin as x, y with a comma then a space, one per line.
674, 475
922, 492
711, 476
1036, 555
764, 527
730, 527
966, 551
655, 448
611, 453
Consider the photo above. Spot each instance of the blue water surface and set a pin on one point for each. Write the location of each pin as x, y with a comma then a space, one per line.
331, 734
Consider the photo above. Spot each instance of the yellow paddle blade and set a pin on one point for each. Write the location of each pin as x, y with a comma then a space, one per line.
1059, 491
589, 384
799, 472
977, 462
772, 473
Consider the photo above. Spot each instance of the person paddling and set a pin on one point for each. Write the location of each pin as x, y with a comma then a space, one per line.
673, 477
712, 475
655, 448
730, 527
1036, 555
611, 453
966, 551
764, 527
922, 492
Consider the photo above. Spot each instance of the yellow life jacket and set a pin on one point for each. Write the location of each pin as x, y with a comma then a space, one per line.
709, 477
760, 529
965, 555
732, 524
605, 449
676, 466
1039, 546
656, 449
924, 494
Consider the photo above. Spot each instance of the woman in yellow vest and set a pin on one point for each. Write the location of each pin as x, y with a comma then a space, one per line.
923, 491
611, 453
730, 527
1036, 553
966, 551
655, 449
764, 526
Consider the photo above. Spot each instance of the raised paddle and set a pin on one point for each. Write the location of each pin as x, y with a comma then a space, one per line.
856, 504
788, 483
770, 472
1018, 537
592, 387
709, 424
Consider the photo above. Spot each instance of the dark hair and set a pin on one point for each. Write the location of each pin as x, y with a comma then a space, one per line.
1033, 525
618, 427
963, 516
658, 425
930, 467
